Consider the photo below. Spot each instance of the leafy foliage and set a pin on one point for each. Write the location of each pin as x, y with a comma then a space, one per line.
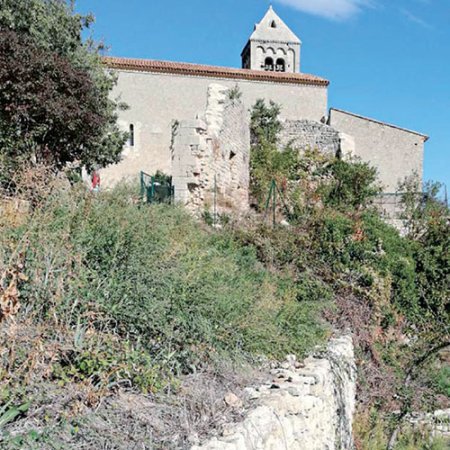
265, 124
267, 162
50, 23
427, 222
442, 380
352, 184
52, 85
342, 185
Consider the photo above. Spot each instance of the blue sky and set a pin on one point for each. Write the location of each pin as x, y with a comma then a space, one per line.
386, 59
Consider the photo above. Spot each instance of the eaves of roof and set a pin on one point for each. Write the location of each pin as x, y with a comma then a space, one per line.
152, 66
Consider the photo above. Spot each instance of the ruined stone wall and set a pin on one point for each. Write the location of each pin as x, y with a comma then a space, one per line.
210, 155
306, 406
309, 134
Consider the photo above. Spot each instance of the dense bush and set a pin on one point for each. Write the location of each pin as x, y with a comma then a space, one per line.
427, 222
352, 185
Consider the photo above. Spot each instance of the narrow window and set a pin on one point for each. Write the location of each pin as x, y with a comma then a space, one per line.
273, 24
268, 64
131, 136
281, 65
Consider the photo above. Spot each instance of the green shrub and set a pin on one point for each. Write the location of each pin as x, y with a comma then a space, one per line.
352, 186
176, 294
373, 432
441, 379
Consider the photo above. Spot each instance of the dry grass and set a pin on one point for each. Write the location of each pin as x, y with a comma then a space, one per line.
85, 416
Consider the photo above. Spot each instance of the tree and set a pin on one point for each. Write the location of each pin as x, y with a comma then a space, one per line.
265, 123
54, 92
267, 161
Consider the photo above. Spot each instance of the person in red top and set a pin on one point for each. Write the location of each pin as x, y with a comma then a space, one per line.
95, 180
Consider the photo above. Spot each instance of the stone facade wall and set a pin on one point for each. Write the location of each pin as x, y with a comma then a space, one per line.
309, 134
306, 406
157, 99
210, 156
395, 152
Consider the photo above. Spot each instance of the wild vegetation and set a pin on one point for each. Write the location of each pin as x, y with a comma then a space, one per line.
116, 294
101, 295
393, 292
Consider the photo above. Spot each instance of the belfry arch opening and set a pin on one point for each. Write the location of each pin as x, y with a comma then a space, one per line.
280, 65
268, 64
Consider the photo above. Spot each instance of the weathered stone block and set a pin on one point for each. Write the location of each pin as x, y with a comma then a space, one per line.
217, 156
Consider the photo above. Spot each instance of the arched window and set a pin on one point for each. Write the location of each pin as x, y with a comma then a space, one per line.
131, 136
281, 65
268, 64
273, 24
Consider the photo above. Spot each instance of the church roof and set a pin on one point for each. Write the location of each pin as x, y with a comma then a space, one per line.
176, 68
272, 28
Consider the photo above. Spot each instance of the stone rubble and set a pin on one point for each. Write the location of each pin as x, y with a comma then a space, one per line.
437, 422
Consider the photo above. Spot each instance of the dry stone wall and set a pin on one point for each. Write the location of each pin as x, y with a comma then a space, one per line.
210, 155
438, 422
308, 134
305, 406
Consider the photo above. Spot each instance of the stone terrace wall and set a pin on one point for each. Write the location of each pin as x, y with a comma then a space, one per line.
308, 134
306, 406
210, 156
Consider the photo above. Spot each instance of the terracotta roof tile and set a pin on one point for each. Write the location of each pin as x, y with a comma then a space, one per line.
146, 65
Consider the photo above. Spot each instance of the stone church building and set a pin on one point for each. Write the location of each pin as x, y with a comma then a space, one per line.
191, 121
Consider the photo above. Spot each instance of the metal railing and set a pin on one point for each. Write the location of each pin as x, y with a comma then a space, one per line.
156, 189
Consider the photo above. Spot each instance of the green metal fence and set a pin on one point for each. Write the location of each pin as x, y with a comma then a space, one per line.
156, 189
276, 199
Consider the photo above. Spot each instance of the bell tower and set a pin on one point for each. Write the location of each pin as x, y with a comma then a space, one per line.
272, 46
